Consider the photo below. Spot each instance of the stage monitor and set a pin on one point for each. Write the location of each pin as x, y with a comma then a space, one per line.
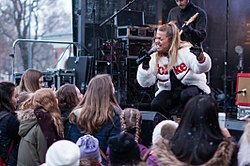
129, 17
242, 89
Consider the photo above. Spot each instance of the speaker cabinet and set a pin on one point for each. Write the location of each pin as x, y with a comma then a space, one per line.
134, 44
84, 71
149, 121
243, 89
129, 17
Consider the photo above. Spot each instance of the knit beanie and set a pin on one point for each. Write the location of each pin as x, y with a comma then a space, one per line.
123, 149
165, 129
89, 147
63, 153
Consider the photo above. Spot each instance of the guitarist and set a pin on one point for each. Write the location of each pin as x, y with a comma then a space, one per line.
195, 32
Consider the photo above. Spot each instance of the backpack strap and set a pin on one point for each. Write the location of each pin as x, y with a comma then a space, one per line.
9, 150
146, 155
103, 155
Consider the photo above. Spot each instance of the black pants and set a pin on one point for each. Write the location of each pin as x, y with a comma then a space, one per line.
167, 102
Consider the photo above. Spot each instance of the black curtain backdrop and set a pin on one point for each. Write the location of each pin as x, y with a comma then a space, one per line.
228, 26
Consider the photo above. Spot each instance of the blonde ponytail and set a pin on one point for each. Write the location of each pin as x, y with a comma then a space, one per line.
172, 33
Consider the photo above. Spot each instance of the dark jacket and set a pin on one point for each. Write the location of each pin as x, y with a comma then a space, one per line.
65, 118
65, 114
9, 126
198, 32
222, 157
107, 130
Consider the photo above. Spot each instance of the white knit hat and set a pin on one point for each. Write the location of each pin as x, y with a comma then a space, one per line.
164, 129
63, 153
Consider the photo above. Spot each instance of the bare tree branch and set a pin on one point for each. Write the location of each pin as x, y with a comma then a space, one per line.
22, 19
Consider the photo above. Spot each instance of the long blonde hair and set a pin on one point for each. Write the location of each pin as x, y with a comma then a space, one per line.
172, 33
45, 99
30, 80
97, 105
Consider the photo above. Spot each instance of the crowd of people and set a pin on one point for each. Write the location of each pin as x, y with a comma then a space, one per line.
43, 127
67, 128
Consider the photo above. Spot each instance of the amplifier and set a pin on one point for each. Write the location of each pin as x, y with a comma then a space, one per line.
57, 78
127, 31
129, 17
133, 44
243, 89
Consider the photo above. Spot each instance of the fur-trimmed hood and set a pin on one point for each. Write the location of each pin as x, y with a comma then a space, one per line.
164, 156
164, 129
244, 146
25, 115
27, 120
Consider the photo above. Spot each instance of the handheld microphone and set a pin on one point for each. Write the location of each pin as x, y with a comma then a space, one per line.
151, 51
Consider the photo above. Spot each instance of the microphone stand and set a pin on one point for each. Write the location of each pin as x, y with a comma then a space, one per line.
92, 62
226, 57
115, 14
111, 19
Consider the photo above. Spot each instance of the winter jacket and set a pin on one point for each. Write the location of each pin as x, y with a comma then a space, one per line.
187, 69
36, 137
107, 130
65, 118
9, 126
33, 145
222, 157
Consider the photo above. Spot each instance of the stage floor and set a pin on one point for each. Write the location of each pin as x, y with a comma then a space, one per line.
235, 127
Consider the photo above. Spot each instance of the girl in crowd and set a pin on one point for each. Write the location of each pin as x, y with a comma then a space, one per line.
124, 151
9, 138
178, 68
23, 96
31, 81
198, 140
90, 153
98, 113
68, 96
131, 123
40, 126
63, 153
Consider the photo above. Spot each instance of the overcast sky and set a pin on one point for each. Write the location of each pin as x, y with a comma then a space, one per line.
67, 5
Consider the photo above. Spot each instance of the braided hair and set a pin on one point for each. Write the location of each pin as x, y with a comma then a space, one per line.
131, 122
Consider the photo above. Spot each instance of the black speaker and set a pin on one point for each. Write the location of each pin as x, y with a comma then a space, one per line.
17, 77
84, 70
149, 121
129, 17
